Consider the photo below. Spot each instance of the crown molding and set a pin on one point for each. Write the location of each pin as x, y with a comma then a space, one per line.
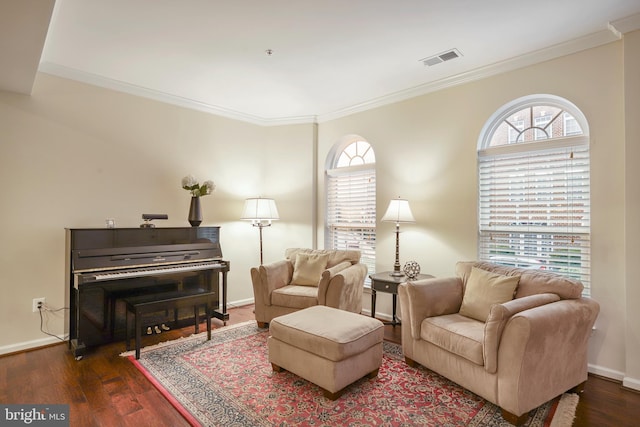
119, 86
613, 33
589, 41
627, 24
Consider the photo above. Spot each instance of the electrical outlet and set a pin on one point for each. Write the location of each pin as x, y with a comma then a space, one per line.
37, 301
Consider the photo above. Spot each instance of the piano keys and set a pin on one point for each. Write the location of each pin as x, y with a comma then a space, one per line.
106, 265
141, 272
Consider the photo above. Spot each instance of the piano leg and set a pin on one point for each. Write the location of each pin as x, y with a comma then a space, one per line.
138, 322
224, 316
127, 337
196, 315
77, 349
208, 315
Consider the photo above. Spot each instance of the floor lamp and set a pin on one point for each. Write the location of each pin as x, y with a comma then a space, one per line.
398, 211
260, 212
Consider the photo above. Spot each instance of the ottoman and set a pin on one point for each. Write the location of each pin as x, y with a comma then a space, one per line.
329, 347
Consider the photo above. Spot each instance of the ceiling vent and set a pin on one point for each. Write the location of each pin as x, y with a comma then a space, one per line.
441, 57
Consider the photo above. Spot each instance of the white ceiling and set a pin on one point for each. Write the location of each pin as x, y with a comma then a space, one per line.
330, 57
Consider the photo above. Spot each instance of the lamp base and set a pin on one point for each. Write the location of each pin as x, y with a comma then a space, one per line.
396, 274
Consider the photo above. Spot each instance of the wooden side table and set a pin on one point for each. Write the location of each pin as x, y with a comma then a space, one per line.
384, 282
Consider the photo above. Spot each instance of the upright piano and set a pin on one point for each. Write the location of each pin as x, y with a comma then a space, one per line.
105, 265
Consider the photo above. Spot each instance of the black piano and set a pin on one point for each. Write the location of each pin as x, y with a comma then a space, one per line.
105, 265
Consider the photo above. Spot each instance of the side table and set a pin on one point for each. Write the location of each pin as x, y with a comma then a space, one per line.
384, 282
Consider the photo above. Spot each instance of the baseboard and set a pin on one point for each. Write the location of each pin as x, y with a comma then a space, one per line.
31, 345
380, 316
627, 382
632, 383
240, 303
605, 372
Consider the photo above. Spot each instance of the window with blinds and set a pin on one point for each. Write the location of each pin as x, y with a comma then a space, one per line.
534, 195
351, 203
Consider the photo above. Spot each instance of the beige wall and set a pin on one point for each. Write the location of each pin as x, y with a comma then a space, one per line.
632, 199
73, 155
426, 152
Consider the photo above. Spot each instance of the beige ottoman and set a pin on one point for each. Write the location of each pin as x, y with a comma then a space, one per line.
329, 347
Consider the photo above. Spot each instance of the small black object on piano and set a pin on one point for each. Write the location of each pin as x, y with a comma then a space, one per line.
148, 217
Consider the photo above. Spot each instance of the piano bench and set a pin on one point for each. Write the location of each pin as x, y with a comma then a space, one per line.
152, 303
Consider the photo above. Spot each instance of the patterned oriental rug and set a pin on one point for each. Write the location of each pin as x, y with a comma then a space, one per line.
228, 381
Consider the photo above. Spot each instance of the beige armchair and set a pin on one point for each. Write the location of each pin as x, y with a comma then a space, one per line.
305, 278
516, 352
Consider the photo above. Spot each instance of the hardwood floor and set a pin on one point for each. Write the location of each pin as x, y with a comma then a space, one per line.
105, 389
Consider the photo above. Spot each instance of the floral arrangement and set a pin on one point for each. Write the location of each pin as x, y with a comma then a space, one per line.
191, 183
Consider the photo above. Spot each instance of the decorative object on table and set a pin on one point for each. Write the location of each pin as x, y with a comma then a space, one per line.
411, 269
260, 212
191, 183
398, 211
195, 212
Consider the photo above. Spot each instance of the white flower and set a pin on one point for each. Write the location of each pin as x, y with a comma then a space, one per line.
190, 183
209, 186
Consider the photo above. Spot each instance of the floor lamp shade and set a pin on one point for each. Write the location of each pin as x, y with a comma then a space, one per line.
259, 209
398, 211
260, 212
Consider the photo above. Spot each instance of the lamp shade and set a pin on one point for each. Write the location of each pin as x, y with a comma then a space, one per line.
259, 209
398, 211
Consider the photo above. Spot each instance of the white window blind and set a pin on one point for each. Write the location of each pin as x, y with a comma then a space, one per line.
351, 211
535, 208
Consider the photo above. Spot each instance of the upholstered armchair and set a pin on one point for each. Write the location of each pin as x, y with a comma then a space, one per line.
516, 337
307, 277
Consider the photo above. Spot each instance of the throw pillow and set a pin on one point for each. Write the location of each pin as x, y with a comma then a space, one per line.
485, 288
308, 268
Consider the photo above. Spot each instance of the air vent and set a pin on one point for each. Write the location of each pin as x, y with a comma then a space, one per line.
441, 57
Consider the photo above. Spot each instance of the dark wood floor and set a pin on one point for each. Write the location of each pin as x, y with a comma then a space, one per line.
105, 389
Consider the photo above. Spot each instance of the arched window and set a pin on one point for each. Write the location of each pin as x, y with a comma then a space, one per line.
534, 187
350, 177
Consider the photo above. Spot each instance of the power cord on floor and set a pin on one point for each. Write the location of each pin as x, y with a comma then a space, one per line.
43, 311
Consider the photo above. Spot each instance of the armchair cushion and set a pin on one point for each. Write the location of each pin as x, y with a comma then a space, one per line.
294, 296
485, 288
308, 268
457, 334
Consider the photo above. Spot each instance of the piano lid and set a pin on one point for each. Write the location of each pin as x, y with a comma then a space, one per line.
110, 248
102, 238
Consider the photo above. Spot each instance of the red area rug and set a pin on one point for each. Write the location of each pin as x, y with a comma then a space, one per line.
228, 381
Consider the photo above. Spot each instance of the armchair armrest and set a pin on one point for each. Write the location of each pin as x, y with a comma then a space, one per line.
428, 298
543, 352
498, 317
341, 286
267, 278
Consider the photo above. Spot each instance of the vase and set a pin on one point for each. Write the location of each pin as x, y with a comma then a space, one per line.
195, 212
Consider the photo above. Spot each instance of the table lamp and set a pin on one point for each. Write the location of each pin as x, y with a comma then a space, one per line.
398, 211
